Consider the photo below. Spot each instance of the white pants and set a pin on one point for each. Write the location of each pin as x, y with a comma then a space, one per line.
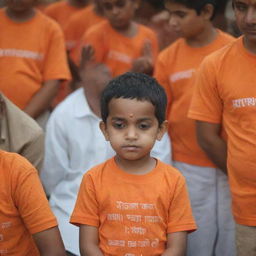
210, 199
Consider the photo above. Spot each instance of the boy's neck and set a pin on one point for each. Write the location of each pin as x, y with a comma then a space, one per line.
138, 167
21, 16
204, 38
129, 31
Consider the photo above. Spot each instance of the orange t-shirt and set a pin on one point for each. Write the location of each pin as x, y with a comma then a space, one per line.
115, 50
134, 213
78, 24
175, 71
36, 55
24, 209
226, 94
61, 11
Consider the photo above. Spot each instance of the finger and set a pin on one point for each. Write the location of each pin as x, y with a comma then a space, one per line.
87, 56
147, 49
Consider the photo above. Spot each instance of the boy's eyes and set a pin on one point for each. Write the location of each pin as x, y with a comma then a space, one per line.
118, 125
144, 126
109, 6
180, 14
241, 6
121, 125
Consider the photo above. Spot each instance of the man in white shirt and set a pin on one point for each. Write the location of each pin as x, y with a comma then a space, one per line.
74, 143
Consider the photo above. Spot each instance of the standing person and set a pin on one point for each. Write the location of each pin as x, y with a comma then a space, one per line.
119, 42
133, 204
20, 134
225, 97
27, 225
175, 70
74, 143
32, 63
61, 11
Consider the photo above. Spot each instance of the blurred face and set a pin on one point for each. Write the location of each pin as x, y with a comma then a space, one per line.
185, 22
132, 128
119, 12
245, 12
20, 5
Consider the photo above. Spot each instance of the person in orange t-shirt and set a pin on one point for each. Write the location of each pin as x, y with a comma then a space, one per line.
79, 23
225, 96
175, 70
27, 225
120, 43
32, 63
133, 204
61, 11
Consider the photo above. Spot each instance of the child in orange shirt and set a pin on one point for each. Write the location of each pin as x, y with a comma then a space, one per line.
119, 42
27, 225
61, 11
133, 204
175, 71
32, 57
225, 97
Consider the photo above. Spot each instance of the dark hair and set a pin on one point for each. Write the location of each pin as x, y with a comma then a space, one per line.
197, 5
135, 86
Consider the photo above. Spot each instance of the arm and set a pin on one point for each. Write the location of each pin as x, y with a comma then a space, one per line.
49, 242
41, 101
176, 244
208, 136
89, 241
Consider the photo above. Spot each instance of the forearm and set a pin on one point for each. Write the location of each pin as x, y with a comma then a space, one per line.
91, 250
174, 252
176, 244
41, 101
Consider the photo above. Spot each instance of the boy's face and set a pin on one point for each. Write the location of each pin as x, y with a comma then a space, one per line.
132, 128
185, 22
245, 12
119, 12
20, 5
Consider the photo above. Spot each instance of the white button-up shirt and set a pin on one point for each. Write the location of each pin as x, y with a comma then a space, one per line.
74, 144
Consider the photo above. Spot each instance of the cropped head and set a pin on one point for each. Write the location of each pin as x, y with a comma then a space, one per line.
119, 12
21, 5
197, 5
135, 86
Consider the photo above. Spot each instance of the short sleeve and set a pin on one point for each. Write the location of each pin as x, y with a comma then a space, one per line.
30, 199
206, 103
180, 217
86, 208
55, 63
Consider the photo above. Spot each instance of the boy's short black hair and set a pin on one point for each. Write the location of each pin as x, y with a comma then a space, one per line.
135, 86
197, 5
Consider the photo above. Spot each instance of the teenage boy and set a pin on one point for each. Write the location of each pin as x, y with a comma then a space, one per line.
133, 204
225, 97
27, 225
175, 71
32, 57
72, 133
119, 42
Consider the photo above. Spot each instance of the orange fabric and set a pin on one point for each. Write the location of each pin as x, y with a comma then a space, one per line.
78, 24
61, 12
175, 71
226, 94
33, 57
24, 209
116, 50
134, 213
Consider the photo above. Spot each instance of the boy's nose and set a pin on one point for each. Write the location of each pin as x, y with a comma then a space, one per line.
173, 21
250, 17
131, 133
115, 10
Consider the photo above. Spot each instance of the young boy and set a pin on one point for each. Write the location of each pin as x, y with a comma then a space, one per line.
133, 204
32, 57
61, 11
27, 225
119, 42
225, 97
175, 71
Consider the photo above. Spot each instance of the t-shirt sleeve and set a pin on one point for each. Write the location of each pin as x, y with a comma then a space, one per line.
55, 62
180, 217
86, 208
206, 104
30, 199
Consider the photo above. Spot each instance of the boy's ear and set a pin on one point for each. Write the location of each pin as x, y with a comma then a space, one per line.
104, 130
207, 11
162, 129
